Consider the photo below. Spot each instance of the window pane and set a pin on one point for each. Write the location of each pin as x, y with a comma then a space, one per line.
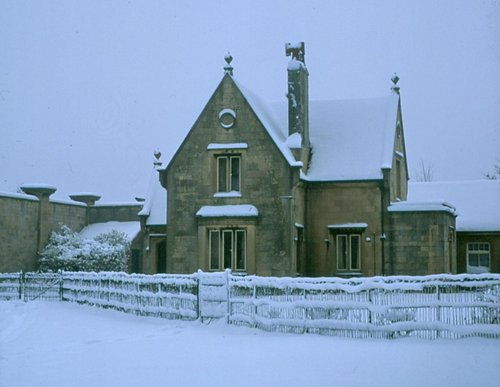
222, 174
355, 252
342, 252
473, 259
240, 250
214, 250
235, 173
484, 260
227, 243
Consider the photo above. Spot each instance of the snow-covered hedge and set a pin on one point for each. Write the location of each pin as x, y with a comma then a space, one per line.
66, 250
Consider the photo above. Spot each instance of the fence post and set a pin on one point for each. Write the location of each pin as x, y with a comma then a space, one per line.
198, 307
438, 310
60, 272
227, 273
21, 284
254, 305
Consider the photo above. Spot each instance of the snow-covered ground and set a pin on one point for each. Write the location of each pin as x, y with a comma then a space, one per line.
64, 344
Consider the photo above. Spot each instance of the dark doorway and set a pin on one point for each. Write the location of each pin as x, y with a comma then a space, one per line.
161, 257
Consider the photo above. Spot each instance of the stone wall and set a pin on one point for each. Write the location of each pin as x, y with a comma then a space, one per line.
18, 232
421, 243
342, 203
21, 221
121, 212
20, 225
73, 215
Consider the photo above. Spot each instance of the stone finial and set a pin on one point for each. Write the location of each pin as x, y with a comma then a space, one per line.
228, 69
157, 161
297, 51
87, 198
38, 190
395, 80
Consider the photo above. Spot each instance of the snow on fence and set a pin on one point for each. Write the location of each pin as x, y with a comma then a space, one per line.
10, 286
450, 306
30, 286
381, 307
160, 295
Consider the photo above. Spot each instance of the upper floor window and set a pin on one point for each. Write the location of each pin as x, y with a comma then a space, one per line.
478, 258
228, 173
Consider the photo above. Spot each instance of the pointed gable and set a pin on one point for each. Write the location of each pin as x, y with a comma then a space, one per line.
274, 127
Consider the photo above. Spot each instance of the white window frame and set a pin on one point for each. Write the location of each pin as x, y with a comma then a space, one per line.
228, 173
348, 252
477, 249
238, 263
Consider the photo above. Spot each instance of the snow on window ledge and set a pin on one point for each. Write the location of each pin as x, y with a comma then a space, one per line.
231, 194
217, 146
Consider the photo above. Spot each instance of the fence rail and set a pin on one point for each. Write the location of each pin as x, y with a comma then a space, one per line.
450, 306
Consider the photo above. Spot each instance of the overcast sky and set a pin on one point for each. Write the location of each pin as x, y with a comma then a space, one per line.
89, 89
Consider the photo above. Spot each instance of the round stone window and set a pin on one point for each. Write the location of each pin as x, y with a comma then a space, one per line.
227, 117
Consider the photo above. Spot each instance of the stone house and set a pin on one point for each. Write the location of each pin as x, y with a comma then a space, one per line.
313, 188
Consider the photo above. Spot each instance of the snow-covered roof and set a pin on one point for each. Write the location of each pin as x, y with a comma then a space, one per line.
239, 210
410, 206
155, 205
130, 229
477, 201
351, 139
274, 124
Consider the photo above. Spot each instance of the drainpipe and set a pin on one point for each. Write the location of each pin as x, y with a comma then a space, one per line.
384, 189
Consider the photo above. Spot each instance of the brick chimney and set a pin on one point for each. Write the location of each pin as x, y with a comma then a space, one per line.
298, 98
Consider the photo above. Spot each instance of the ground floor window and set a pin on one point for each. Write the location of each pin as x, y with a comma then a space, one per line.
227, 249
478, 258
348, 252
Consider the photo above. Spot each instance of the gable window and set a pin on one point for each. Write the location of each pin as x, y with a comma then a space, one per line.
348, 252
228, 173
227, 249
478, 258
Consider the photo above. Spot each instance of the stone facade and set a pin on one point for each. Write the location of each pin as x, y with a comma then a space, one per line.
337, 204
421, 243
266, 182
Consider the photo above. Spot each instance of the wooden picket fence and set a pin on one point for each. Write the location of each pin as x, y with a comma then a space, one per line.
438, 306
381, 307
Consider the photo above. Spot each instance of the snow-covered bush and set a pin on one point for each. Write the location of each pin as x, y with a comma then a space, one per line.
66, 250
